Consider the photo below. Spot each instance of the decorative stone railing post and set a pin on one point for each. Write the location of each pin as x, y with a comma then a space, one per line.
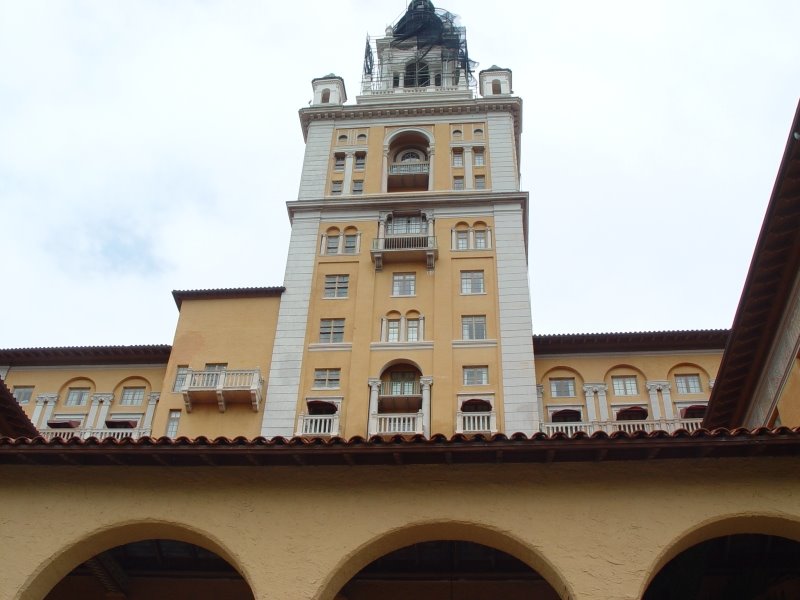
426, 383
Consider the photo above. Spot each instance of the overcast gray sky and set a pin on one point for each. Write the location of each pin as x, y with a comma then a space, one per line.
148, 145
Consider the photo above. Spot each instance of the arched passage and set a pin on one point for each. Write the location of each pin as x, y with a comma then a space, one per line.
140, 560
429, 561
741, 556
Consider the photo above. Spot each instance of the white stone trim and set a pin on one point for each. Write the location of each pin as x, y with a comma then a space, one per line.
552, 408
314, 177
521, 406
424, 345
502, 152
462, 397
332, 347
280, 407
474, 343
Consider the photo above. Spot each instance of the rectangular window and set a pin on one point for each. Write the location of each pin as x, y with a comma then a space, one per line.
412, 330
404, 284
358, 187
462, 240
481, 239
476, 375
180, 378
361, 160
473, 327
327, 378
458, 183
173, 420
331, 331
393, 330
351, 243
472, 282
403, 225
336, 286
688, 384
562, 387
336, 187
404, 383
23, 394
338, 161
458, 158
478, 156
625, 385
132, 396
77, 397
332, 244
480, 182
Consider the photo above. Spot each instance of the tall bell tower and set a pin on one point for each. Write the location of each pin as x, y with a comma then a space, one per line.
407, 306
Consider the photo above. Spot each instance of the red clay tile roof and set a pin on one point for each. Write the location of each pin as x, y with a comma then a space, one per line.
13, 420
85, 355
226, 293
775, 264
633, 341
400, 450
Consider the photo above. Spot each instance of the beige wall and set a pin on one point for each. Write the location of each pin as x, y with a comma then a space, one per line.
237, 331
789, 400
594, 531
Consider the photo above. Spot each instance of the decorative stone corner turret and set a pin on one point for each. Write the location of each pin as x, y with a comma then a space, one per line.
495, 81
328, 90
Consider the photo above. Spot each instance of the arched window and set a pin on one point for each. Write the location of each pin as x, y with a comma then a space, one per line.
319, 407
566, 415
343, 139
326, 96
496, 89
457, 134
478, 133
362, 137
696, 411
476, 405
633, 413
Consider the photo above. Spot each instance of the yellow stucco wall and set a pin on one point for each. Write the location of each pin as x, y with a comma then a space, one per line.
239, 332
104, 379
437, 299
645, 366
346, 139
789, 400
594, 531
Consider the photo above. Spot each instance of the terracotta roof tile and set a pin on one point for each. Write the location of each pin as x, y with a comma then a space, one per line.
226, 293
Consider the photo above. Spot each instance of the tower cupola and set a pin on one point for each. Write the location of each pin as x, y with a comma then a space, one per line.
329, 90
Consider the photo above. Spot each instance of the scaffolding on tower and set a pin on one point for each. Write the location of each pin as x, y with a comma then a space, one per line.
424, 50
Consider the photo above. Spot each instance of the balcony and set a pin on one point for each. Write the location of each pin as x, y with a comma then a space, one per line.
402, 423
476, 422
223, 387
671, 425
404, 248
409, 168
318, 425
86, 433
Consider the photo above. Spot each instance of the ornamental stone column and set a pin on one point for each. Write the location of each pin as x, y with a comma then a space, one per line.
468, 183
49, 406
105, 405
147, 424
90, 419
589, 391
374, 390
431, 155
426, 383
347, 183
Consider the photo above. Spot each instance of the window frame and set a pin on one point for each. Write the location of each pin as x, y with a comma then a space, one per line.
478, 157
554, 387
136, 400
327, 378
23, 388
458, 183
339, 161
473, 327
469, 375
682, 379
181, 372
480, 182
331, 331
404, 284
337, 185
624, 389
358, 186
82, 401
173, 422
458, 158
468, 280
338, 284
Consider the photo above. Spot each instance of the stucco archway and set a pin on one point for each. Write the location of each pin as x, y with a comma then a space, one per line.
779, 526
397, 539
48, 574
